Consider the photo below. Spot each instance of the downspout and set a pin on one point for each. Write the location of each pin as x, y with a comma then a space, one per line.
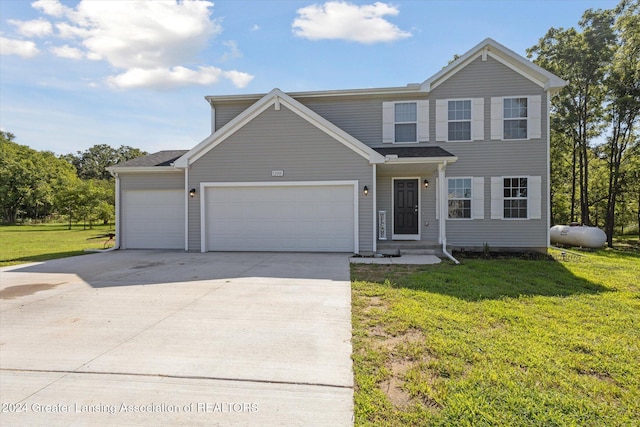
117, 245
443, 211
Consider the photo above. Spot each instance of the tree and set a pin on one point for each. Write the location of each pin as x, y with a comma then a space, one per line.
92, 163
623, 104
580, 58
28, 179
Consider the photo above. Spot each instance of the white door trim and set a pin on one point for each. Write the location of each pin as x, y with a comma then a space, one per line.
205, 185
393, 216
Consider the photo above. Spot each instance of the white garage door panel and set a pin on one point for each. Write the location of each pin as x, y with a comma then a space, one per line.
280, 218
154, 219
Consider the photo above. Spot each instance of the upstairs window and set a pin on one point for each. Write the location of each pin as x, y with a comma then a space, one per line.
459, 120
405, 122
459, 196
515, 118
515, 197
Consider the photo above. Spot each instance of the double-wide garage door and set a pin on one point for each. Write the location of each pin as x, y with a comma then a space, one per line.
153, 219
314, 218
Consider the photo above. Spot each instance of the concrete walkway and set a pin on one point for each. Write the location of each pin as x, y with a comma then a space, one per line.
404, 260
151, 338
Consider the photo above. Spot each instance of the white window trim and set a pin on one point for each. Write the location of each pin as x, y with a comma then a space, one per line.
470, 120
389, 121
534, 117
534, 197
504, 119
470, 178
517, 198
477, 197
476, 121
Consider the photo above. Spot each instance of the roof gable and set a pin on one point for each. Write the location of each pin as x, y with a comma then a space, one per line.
505, 56
276, 98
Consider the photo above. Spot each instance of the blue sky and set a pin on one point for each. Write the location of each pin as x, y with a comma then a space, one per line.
78, 73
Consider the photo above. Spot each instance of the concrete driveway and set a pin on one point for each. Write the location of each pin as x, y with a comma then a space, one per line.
155, 337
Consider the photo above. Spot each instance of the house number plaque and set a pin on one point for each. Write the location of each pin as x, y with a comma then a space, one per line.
277, 173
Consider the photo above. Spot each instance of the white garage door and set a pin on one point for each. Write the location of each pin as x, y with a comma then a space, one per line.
313, 218
153, 219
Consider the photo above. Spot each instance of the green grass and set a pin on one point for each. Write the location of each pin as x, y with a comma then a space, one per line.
31, 243
499, 342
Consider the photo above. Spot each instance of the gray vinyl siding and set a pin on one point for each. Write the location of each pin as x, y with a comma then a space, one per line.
281, 140
361, 117
151, 181
489, 158
226, 112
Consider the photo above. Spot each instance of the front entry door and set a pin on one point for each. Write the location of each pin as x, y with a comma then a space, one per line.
405, 206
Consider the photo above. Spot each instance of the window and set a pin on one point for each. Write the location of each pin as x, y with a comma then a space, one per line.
459, 120
515, 118
515, 197
406, 122
459, 195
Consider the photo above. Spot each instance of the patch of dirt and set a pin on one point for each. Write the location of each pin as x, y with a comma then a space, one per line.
22, 290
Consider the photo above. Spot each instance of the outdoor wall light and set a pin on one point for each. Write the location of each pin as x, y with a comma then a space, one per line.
365, 190
192, 192
426, 184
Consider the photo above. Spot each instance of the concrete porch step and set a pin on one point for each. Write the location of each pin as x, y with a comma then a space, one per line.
418, 247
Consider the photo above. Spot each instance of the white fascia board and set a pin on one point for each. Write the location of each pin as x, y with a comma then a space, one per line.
144, 169
505, 56
416, 160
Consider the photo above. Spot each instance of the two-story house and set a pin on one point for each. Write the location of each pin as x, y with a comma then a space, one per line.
459, 161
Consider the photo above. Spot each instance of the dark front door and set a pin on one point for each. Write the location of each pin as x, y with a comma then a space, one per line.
405, 206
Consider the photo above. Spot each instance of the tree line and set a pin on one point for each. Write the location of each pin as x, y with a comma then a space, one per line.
595, 155
40, 186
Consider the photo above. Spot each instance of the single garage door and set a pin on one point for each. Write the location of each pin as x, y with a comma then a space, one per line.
153, 219
312, 218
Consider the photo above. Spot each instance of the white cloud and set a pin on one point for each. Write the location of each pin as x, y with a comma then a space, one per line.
34, 28
233, 52
166, 78
255, 27
67, 51
347, 21
22, 48
238, 78
149, 42
51, 7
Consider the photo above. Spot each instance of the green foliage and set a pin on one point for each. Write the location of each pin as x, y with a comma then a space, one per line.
594, 122
93, 162
29, 180
34, 184
498, 342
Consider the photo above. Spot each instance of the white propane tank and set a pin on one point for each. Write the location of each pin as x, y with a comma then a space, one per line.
586, 237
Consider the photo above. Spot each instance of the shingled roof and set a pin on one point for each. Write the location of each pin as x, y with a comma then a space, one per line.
414, 151
161, 158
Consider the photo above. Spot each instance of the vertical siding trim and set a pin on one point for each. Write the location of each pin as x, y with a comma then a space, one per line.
437, 198
387, 122
535, 117
441, 120
477, 197
497, 205
373, 210
477, 119
186, 208
423, 120
496, 117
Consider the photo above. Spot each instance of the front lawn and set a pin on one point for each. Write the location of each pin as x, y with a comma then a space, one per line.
31, 243
499, 342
